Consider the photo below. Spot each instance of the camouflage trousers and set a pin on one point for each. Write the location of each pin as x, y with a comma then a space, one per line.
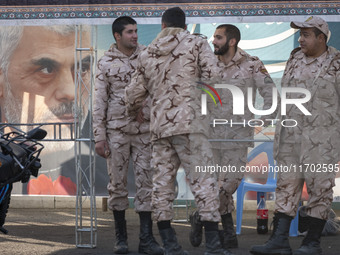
290, 184
138, 147
191, 151
229, 180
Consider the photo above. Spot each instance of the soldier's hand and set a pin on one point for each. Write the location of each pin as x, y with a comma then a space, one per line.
102, 149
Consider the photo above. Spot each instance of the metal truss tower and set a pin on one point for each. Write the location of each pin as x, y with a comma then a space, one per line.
86, 218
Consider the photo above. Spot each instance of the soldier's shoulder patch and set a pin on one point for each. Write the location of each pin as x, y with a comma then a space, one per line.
311, 17
263, 70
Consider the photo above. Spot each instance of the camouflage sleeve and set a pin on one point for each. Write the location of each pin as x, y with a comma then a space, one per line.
136, 92
265, 85
208, 64
337, 78
100, 103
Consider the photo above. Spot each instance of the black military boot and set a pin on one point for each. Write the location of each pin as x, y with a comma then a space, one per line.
212, 240
278, 243
121, 246
195, 235
147, 242
168, 235
228, 234
303, 220
311, 243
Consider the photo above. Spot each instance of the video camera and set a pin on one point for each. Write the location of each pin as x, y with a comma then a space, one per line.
19, 159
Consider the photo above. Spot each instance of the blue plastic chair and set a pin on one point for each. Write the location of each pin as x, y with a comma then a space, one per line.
269, 186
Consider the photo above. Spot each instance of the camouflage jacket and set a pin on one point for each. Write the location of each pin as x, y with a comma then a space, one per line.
243, 71
114, 71
168, 70
318, 133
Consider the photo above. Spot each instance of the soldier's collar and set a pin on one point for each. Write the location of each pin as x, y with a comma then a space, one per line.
319, 59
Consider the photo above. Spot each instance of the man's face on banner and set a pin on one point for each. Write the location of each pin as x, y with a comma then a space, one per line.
39, 86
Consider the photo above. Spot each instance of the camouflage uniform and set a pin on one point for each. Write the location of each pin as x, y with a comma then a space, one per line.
315, 139
126, 137
243, 71
189, 150
168, 71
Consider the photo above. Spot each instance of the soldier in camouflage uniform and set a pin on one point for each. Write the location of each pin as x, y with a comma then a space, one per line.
168, 71
310, 150
244, 71
119, 136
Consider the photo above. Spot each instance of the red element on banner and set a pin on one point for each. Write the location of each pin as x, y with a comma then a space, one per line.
44, 185
304, 196
64, 186
41, 186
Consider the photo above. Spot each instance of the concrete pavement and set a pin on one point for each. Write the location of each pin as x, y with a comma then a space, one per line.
52, 231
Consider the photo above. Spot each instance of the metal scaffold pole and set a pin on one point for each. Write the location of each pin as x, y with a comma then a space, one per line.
86, 216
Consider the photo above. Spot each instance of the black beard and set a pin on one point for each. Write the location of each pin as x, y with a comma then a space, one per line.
223, 50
